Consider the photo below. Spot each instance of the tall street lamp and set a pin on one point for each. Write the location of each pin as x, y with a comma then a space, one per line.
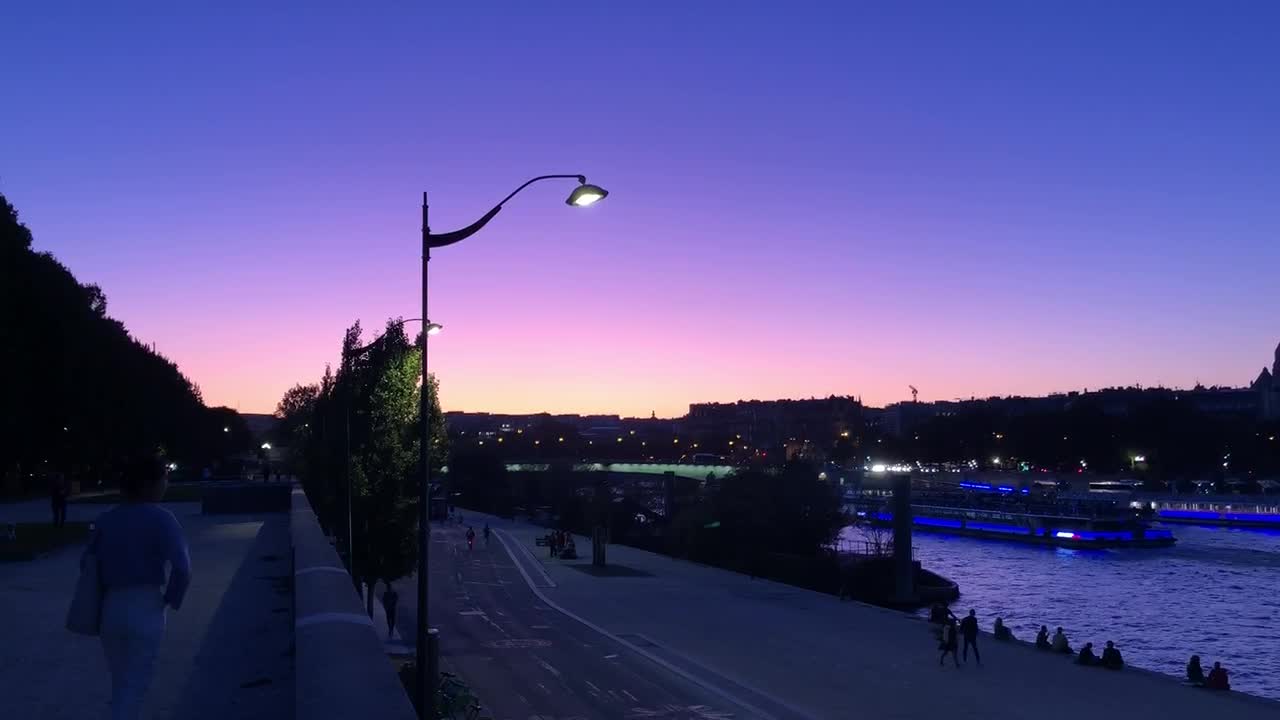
427, 658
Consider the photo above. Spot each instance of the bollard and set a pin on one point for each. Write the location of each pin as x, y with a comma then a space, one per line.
433, 671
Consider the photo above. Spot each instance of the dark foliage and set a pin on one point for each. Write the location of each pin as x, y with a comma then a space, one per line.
79, 393
357, 431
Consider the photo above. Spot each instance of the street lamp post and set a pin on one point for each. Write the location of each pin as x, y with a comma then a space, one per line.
427, 658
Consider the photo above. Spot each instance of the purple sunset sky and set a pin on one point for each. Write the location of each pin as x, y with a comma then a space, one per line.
807, 198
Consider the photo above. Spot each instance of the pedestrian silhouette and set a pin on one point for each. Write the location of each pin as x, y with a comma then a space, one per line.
969, 629
1111, 658
949, 644
390, 598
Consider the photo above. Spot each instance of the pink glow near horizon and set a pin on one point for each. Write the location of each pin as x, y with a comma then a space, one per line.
803, 203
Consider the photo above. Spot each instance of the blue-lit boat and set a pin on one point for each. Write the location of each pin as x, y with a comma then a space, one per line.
1230, 513
1010, 514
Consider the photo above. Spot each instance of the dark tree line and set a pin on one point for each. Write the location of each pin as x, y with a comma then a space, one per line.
358, 431
79, 393
771, 521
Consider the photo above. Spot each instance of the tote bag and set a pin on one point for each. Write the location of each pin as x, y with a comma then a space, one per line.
84, 617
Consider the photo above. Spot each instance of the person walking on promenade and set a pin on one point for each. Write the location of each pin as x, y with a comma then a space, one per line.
390, 599
471, 538
59, 489
132, 544
486, 534
969, 629
949, 644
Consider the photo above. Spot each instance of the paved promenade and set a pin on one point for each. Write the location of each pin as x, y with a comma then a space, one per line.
807, 654
226, 654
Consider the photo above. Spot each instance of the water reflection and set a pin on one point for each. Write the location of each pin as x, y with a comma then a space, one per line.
1216, 593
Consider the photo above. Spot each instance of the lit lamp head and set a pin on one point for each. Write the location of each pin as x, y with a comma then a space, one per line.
586, 194
434, 328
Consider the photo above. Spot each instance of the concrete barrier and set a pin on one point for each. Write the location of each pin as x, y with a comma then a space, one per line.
341, 668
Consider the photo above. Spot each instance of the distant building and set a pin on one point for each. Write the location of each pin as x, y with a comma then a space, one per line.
774, 423
1267, 389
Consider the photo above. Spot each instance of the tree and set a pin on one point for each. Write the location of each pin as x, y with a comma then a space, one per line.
358, 437
791, 512
80, 394
382, 473
482, 480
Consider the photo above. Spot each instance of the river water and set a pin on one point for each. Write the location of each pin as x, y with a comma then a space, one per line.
1216, 594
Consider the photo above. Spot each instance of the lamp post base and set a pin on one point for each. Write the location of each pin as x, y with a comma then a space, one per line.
428, 688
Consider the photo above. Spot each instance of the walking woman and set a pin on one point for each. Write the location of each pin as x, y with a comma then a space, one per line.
132, 544
949, 643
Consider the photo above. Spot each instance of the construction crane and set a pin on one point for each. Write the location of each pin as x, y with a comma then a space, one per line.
914, 393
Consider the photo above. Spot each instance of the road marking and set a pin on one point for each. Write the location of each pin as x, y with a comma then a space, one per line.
517, 644
593, 687
550, 668
539, 627
520, 566
544, 688
319, 568
471, 612
610, 657
712, 687
672, 711
633, 697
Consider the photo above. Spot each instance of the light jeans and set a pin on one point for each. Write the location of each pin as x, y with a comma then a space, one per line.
132, 626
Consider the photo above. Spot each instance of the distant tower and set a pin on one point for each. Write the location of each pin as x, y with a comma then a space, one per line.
915, 392
1268, 388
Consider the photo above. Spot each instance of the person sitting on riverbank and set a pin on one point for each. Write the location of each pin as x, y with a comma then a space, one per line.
1060, 644
1111, 659
1218, 678
1086, 656
1042, 639
1195, 673
1000, 631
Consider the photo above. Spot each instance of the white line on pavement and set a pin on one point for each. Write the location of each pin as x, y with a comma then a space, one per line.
634, 648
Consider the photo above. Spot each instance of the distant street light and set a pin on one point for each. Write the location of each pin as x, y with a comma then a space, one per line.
266, 446
226, 429
582, 196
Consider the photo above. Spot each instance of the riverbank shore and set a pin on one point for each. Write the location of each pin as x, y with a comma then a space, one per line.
823, 658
